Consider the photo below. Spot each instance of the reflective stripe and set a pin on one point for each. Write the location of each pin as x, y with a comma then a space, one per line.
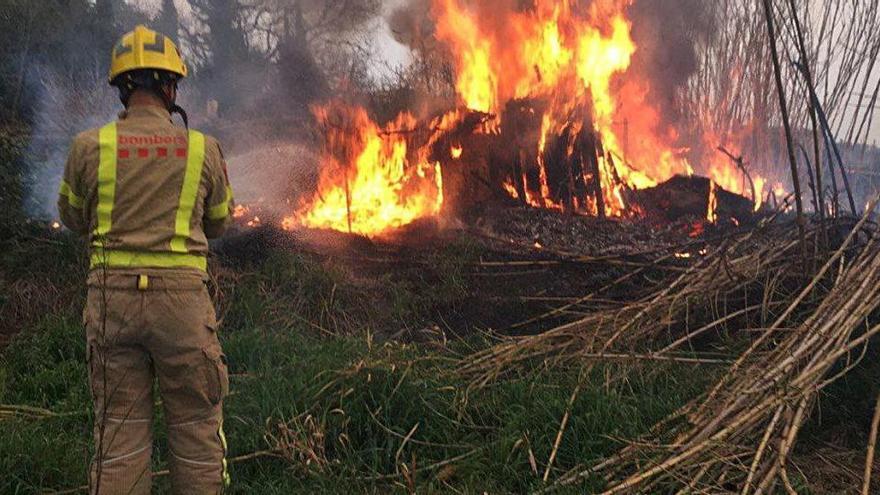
106, 180
126, 456
127, 420
221, 211
135, 259
227, 479
195, 158
72, 199
197, 463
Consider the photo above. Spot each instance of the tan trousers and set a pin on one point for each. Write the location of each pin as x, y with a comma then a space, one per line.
138, 328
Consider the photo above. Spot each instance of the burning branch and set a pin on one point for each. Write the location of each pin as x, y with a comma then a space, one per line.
740, 164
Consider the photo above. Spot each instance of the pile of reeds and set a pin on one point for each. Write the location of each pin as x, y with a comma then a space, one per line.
748, 276
807, 313
738, 437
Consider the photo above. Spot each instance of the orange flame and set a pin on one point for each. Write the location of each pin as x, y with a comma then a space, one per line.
239, 211
477, 82
731, 177
382, 188
550, 52
510, 189
576, 61
712, 214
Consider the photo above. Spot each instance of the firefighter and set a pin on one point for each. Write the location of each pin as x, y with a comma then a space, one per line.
148, 194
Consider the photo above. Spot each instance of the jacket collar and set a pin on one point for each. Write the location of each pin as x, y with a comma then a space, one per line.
145, 111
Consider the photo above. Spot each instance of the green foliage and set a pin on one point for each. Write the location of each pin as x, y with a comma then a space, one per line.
50, 452
71, 39
42, 278
846, 407
349, 401
362, 402
354, 403
46, 367
13, 143
292, 290
34, 253
289, 291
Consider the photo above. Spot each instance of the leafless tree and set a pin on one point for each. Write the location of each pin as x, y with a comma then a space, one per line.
168, 20
829, 45
309, 46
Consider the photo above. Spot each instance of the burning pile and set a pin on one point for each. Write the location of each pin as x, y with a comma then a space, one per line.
384, 189
549, 88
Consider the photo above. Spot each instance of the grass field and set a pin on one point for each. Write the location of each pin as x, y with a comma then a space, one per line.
324, 401
352, 412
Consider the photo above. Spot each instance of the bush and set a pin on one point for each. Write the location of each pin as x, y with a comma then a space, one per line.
13, 143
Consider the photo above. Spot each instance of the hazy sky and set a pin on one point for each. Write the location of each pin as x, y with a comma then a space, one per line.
392, 51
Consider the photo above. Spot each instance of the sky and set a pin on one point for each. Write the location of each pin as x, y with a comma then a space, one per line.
390, 50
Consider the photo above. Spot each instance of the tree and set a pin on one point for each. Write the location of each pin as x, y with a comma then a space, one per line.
321, 45
309, 47
105, 29
224, 35
69, 41
168, 20
430, 71
229, 70
734, 92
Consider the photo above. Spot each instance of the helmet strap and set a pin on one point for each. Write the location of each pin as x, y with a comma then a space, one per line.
170, 104
175, 108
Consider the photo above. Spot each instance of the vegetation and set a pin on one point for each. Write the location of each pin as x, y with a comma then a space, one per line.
328, 414
323, 401
343, 378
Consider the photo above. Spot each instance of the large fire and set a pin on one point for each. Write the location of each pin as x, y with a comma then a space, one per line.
369, 184
573, 59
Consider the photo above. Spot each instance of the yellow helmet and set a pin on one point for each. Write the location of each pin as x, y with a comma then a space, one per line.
144, 48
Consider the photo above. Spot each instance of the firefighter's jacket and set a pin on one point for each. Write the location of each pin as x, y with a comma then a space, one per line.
147, 193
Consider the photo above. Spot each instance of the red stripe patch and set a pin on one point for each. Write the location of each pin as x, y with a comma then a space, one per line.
124, 154
181, 152
162, 152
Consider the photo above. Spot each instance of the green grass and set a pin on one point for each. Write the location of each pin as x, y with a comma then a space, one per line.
356, 394
13, 144
352, 399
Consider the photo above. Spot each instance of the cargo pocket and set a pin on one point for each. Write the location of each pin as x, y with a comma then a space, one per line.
216, 375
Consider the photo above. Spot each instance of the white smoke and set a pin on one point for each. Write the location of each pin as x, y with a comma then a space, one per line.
65, 108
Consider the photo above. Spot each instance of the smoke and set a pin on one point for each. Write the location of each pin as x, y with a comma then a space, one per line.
65, 106
667, 34
411, 23
246, 105
651, 95
263, 111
